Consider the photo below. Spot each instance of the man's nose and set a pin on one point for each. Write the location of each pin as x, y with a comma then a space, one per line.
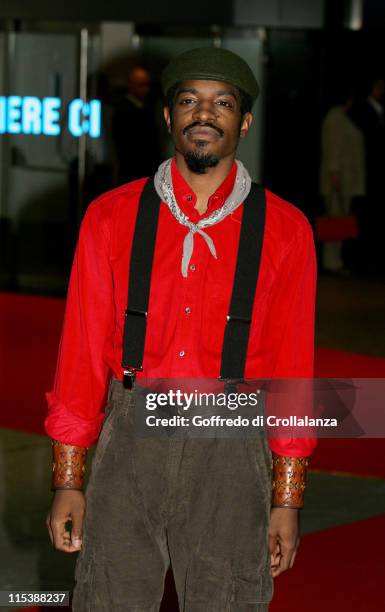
204, 111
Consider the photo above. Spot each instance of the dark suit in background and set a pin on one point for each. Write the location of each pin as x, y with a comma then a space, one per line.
369, 117
136, 139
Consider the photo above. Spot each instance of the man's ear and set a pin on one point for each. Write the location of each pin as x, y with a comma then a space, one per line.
246, 122
167, 118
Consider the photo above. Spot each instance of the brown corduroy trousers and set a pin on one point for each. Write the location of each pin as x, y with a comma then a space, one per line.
201, 505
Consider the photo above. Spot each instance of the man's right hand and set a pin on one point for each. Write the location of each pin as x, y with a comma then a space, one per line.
67, 505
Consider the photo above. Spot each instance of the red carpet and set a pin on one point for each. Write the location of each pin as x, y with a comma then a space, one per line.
341, 364
30, 332
340, 569
364, 456
29, 336
336, 569
342, 454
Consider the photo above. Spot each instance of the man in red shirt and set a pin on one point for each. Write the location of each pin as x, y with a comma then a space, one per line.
220, 276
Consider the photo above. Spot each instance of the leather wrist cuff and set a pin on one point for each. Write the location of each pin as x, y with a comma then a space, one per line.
289, 481
68, 466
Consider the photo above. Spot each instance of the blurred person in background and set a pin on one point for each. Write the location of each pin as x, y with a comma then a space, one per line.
342, 172
134, 129
368, 115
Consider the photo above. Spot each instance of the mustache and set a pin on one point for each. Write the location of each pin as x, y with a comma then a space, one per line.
199, 124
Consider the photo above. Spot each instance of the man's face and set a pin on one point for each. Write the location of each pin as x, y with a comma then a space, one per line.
206, 119
139, 83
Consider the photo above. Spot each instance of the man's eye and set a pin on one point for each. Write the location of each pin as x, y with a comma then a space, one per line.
186, 101
225, 103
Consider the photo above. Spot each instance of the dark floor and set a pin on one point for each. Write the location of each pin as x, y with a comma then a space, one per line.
350, 314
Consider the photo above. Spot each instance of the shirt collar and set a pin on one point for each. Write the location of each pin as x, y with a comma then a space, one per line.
186, 198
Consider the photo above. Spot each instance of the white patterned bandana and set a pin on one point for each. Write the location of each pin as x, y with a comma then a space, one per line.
165, 190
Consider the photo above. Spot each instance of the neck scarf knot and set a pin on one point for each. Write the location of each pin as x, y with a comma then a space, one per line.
164, 188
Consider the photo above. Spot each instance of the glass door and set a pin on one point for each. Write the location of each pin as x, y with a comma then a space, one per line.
44, 130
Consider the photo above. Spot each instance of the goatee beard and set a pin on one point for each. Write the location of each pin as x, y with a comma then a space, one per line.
200, 162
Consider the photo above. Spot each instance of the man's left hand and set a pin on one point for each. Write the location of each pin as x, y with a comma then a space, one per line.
283, 538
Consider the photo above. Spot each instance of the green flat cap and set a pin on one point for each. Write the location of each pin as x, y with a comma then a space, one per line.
213, 64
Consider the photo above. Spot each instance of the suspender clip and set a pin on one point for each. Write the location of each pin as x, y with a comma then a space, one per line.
230, 385
129, 376
231, 318
136, 313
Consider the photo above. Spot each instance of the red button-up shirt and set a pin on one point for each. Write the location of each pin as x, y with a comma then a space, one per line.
187, 316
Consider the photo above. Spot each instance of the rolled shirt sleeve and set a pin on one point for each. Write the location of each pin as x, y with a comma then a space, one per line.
75, 403
292, 318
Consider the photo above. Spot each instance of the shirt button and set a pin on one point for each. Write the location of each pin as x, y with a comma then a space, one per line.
181, 353
187, 310
189, 198
193, 267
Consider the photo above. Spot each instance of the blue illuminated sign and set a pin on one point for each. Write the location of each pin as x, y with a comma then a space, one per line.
31, 115
84, 117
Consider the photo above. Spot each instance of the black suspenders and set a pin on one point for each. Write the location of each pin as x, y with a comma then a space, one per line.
139, 280
237, 329
238, 324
